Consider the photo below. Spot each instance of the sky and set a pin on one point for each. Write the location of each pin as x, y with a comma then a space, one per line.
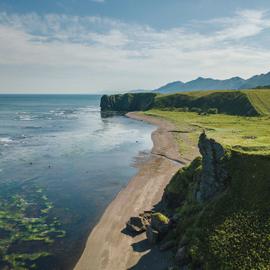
110, 46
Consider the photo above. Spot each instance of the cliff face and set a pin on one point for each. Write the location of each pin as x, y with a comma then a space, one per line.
227, 102
127, 102
213, 176
205, 177
220, 208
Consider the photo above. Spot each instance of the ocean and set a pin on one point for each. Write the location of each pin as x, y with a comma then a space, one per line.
61, 163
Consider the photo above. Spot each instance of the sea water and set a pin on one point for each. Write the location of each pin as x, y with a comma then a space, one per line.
79, 158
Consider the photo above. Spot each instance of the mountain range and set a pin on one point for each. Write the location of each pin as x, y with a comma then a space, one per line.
200, 83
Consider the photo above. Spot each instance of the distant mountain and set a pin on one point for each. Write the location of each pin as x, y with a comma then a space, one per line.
170, 87
258, 80
139, 91
213, 84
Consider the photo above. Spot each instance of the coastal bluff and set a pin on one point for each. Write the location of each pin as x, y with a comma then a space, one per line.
231, 102
127, 102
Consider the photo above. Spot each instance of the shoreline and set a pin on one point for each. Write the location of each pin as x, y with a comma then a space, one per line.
108, 246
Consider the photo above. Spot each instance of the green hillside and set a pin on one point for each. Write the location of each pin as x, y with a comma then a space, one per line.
229, 230
260, 99
243, 103
244, 134
220, 202
229, 102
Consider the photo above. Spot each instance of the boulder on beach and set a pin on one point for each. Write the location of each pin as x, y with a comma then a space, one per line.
137, 224
160, 222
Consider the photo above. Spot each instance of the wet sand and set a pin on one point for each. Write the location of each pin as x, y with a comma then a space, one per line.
109, 247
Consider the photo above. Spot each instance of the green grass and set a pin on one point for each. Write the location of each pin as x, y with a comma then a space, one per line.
232, 230
245, 134
260, 99
228, 102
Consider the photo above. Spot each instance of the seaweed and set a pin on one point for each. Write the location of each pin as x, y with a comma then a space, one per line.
27, 227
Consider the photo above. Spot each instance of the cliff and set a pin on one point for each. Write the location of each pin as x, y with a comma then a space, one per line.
127, 102
219, 206
242, 103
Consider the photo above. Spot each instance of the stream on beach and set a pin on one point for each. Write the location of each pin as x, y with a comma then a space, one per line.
61, 163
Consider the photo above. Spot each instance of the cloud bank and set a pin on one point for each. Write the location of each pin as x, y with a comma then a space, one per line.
90, 54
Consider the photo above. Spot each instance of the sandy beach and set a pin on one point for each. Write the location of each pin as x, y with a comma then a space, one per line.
108, 246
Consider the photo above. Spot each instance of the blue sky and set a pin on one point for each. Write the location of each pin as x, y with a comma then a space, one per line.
95, 46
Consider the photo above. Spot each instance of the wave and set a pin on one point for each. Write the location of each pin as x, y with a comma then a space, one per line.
23, 116
5, 140
32, 127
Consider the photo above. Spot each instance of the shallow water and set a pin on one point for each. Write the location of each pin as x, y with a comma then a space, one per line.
61, 144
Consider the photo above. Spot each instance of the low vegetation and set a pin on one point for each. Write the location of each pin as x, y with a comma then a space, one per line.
260, 100
244, 134
231, 230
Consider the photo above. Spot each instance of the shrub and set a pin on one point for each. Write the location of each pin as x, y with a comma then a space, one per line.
212, 111
242, 242
194, 109
162, 218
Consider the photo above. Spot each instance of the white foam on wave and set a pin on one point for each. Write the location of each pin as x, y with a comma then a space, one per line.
25, 118
5, 140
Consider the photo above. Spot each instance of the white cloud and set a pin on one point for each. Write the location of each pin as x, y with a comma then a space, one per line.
69, 53
247, 23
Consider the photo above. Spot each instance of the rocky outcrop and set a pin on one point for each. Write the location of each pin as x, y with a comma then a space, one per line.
156, 225
213, 177
160, 223
137, 224
205, 177
127, 102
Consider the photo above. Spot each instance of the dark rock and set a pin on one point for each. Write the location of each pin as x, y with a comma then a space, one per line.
152, 235
137, 224
146, 215
160, 223
127, 102
214, 176
167, 245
